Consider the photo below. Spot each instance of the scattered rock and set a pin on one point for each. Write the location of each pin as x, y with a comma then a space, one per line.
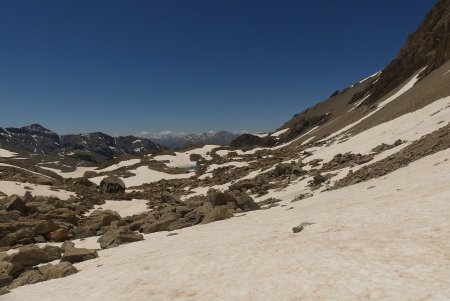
300, 227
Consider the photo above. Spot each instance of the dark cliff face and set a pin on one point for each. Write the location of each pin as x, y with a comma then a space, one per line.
428, 46
37, 139
249, 140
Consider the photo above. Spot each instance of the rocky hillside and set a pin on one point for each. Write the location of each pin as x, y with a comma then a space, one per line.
428, 46
35, 139
425, 51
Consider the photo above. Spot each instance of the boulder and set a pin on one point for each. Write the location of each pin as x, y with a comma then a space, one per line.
179, 224
45, 227
100, 218
62, 214
208, 213
73, 255
5, 257
114, 237
42, 180
59, 235
182, 210
27, 277
10, 269
5, 280
243, 185
167, 197
14, 202
217, 198
246, 203
3, 291
112, 185
62, 269
317, 180
213, 214
300, 227
33, 255
160, 225
28, 196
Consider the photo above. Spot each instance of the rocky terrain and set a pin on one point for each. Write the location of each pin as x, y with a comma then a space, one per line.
348, 200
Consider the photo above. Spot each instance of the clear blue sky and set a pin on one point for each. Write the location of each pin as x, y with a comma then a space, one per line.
128, 66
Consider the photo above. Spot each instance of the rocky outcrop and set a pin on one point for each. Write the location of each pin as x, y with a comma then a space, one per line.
428, 46
249, 140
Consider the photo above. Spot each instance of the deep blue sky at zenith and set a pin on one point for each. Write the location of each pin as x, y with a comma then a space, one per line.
128, 66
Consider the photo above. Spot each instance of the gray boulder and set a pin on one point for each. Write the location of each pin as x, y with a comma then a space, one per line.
112, 185
117, 236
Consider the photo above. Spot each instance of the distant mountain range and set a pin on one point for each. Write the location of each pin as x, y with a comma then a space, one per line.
36, 139
175, 140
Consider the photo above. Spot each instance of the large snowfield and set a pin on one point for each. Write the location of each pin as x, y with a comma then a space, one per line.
384, 239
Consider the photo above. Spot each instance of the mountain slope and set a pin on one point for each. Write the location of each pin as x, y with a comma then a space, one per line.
428, 46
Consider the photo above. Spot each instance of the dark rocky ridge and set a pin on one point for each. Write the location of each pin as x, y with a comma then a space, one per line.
91, 147
249, 140
428, 46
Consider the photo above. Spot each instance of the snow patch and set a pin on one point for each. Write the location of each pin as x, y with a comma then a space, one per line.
6, 153
123, 207
10, 188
